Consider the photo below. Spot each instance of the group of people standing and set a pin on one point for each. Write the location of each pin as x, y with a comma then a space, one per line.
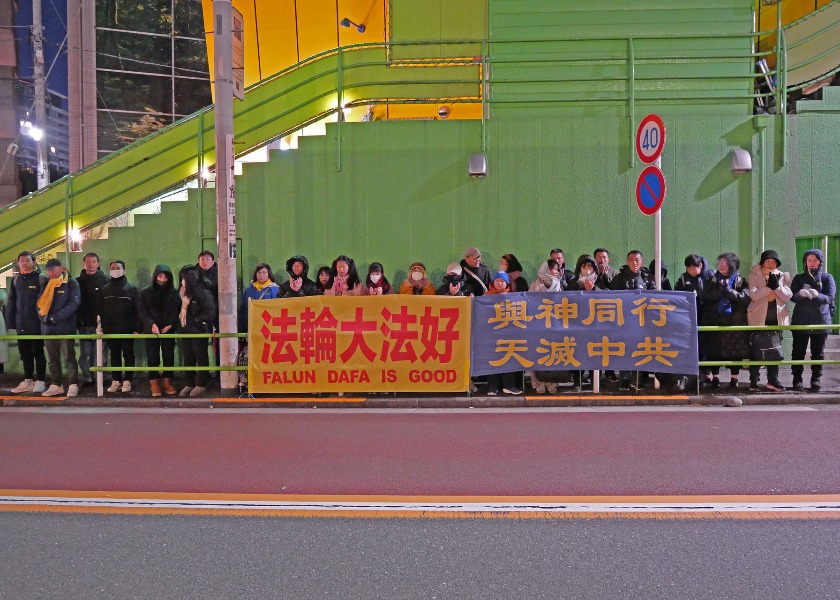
56, 303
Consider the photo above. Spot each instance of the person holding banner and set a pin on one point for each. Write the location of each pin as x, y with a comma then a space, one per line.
726, 296
605, 272
263, 287
769, 291
477, 276
417, 282
508, 382
694, 280
324, 279
346, 280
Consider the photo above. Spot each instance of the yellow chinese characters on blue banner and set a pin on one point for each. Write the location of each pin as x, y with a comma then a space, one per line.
549, 331
359, 344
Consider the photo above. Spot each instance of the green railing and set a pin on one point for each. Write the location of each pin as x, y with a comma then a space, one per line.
365, 74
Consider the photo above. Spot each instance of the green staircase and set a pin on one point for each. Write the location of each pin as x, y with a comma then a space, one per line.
302, 94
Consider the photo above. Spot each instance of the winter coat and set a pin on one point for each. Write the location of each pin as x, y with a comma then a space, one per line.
687, 283
813, 311
210, 280
448, 280
118, 307
201, 312
422, 287
761, 295
733, 345
61, 318
472, 285
160, 305
307, 288
628, 280
22, 307
269, 292
604, 280
546, 282
89, 286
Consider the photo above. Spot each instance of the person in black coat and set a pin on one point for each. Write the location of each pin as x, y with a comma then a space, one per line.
477, 277
22, 316
91, 281
196, 315
633, 276
118, 312
814, 293
299, 284
159, 308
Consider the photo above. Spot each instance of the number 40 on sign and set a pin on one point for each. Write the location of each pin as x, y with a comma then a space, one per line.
650, 138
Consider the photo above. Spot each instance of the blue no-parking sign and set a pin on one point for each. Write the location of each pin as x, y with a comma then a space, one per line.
650, 190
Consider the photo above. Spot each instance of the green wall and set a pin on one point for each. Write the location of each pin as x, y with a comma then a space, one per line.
403, 195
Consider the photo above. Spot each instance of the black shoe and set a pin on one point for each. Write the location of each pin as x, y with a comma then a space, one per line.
705, 384
733, 384
754, 386
611, 376
797, 385
715, 383
624, 386
815, 384
681, 384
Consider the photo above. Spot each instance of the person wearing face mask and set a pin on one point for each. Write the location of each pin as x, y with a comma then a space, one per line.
769, 291
814, 294
454, 282
376, 284
158, 308
417, 282
585, 274
118, 311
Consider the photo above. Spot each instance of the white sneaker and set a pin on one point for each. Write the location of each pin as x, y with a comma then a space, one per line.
54, 390
39, 387
114, 387
24, 386
72, 390
126, 386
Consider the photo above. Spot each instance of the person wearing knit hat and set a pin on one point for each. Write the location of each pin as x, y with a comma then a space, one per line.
510, 382
769, 291
814, 293
417, 282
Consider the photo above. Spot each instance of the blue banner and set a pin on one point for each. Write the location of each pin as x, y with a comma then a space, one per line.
553, 331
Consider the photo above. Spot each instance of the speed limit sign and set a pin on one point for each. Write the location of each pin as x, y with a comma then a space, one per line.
650, 138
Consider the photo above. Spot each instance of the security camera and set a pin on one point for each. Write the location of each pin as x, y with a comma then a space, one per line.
443, 112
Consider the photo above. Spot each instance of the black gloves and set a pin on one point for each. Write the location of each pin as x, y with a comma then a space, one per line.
773, 281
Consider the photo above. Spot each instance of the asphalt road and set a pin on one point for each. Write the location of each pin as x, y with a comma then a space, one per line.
602, 452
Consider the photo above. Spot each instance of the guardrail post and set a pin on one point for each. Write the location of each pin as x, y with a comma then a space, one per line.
100, 362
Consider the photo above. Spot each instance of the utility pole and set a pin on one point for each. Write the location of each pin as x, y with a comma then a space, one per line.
43, 168
225, 186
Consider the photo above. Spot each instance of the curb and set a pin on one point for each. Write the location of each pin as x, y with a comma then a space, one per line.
538, 401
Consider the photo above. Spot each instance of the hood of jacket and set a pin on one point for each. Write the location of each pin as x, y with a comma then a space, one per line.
163, 268
813, 252
582, 260
302, 259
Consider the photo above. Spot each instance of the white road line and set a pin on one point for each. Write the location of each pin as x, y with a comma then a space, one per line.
433, 507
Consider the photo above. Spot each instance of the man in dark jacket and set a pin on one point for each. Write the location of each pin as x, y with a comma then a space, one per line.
117, 309
57, 305
22, 316
208, 277
605, 272
91, 281
814, 293
299, 284
633, 276
477, 277
159, 308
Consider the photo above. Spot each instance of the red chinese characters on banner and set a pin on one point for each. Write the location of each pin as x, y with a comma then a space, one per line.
390, 343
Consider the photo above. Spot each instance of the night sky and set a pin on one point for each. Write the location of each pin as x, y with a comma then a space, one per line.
54, 14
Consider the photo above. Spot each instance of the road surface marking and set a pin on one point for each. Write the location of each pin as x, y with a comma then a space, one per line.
564, 507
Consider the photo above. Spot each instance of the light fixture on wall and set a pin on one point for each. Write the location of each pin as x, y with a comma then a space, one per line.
345, 22
478, 165
740, 161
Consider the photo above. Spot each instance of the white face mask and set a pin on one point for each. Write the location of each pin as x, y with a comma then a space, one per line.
375, 277
117, 273
416, 275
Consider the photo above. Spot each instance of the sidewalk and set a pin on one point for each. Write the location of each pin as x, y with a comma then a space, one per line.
567, 396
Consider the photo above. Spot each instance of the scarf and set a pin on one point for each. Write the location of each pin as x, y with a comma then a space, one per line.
260, 286
724, 304
45, 301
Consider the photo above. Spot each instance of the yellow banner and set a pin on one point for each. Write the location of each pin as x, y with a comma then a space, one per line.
359, 344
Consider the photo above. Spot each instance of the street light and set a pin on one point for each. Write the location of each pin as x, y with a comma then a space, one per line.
28, 129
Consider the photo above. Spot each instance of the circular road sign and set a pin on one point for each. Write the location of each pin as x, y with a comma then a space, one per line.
650, 138
650, 190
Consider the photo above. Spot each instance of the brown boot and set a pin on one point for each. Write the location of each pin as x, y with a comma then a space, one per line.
167, 386
155, 384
